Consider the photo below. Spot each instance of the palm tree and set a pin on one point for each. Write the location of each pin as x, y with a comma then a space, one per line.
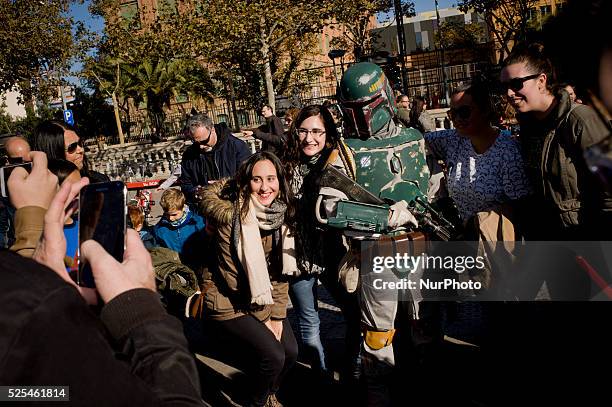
155, 81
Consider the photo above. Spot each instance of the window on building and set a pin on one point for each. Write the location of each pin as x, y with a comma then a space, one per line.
223, 118
166, 8
545, 10
130, 14
560, 6
532, 13
419, 40
243, 118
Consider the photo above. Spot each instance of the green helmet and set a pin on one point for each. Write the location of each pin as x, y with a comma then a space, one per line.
366, 98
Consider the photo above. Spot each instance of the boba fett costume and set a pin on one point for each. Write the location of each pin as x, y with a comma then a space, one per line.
390, 164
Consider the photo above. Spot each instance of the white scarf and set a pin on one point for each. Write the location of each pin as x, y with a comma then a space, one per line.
253, 258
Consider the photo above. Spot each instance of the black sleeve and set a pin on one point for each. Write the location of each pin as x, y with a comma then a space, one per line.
64, 344
242, 153
276, 136
275, 140
187, 186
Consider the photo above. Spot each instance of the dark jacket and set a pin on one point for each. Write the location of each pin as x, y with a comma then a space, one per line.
226, 289
569, 202
272, 135
135, 354
94, 176
7, 220
229, 153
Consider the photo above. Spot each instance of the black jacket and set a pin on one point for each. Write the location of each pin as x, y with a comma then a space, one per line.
229, 153
135, 354
272, 135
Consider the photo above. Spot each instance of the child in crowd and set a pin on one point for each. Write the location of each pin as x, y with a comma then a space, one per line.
180, 229
138, 223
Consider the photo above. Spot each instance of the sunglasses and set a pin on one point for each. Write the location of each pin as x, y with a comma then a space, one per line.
462, 112
206, 140
516, 84
73, 146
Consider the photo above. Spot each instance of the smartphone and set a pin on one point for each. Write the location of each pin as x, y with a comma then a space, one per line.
5, 173
102, 217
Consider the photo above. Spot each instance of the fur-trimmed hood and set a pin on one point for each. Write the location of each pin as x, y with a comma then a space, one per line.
217, 202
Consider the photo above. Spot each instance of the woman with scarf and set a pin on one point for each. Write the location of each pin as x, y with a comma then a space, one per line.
244, 290
314, 143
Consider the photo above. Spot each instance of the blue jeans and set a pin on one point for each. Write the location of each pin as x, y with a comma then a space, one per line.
303, 293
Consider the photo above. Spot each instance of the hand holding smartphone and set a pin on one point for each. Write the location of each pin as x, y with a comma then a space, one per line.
5, 173
102, 217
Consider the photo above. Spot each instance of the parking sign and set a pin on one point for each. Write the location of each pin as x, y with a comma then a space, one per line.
69, 117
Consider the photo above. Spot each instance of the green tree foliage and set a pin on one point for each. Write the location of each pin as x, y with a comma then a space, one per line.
256, 30
147, 63
35, 39
6, 121
155, 81
25, 125
93, 114
454, 34
507, 20
254, 49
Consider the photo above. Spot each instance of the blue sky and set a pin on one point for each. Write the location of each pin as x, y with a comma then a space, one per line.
427, 5
80, 12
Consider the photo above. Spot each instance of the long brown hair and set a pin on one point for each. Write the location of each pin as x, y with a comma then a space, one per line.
243, 177
293, 153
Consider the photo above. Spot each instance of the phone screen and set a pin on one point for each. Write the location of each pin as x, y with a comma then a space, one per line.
102, 217
5, 173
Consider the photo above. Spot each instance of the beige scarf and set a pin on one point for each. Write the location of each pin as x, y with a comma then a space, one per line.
252, 256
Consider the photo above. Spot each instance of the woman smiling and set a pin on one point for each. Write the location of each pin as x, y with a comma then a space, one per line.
246, 297
484, 168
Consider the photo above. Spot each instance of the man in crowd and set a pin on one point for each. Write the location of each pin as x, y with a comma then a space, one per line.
272, 133
17, 150
214, 154
403, 110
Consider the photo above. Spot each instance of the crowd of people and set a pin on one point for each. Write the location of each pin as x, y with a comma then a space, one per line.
253, 232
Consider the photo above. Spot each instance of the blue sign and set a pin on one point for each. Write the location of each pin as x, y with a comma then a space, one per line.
69, 117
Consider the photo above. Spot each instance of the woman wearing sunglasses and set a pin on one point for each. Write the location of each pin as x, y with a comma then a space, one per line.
314, 142
60, 142
569, 202
484, 168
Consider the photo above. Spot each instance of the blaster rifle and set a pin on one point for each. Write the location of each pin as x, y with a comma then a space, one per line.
433, 221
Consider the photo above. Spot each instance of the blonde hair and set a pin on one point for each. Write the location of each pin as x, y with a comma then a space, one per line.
172, 199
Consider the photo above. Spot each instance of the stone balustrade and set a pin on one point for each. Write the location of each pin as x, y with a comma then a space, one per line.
143, 161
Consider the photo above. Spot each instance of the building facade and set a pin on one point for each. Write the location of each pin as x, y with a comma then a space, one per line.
420, 30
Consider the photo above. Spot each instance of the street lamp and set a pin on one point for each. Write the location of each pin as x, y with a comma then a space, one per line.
442, 65
337, 53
